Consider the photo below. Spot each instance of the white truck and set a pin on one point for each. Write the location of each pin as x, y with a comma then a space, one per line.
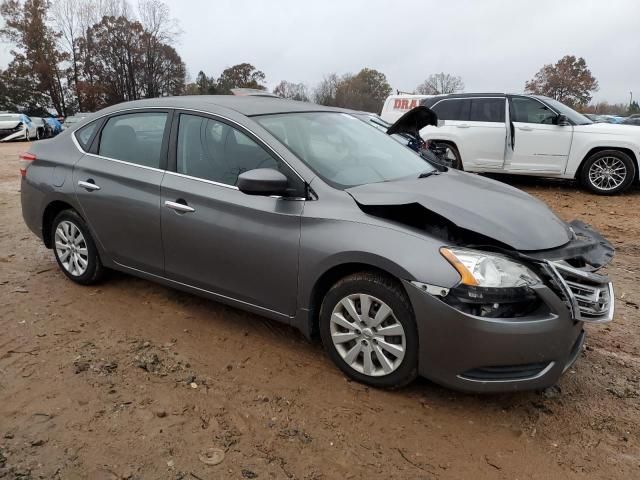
534, 135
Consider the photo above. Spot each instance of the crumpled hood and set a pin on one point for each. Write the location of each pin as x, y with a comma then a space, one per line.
475, 203
7, 125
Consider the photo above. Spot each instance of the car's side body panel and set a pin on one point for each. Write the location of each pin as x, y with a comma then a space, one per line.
228, 238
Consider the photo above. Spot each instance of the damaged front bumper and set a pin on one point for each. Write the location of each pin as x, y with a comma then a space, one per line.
476, 353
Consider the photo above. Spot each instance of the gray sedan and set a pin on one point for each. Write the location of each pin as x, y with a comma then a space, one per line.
307, 215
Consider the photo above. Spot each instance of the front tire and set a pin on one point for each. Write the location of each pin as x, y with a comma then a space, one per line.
75, 250
368, 329
608, 172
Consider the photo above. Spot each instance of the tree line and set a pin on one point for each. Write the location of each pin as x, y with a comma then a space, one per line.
83, 55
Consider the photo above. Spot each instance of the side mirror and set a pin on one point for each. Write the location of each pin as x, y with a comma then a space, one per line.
562, 120
263, 181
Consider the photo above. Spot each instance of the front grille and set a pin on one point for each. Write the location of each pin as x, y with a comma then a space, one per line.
505, 373
589, 296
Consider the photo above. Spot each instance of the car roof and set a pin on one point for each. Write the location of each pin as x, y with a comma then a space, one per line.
248, 105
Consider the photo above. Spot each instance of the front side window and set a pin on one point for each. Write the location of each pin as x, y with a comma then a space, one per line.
455, 109
215, 151
487, 110
343, 150
528, 110
134, 137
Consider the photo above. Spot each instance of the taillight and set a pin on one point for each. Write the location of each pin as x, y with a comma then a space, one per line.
25, 161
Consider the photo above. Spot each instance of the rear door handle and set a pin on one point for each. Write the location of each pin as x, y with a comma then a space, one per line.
179, 206
89, 185
525, 129
462, 125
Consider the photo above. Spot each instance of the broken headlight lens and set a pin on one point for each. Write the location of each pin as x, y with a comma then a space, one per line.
482, 269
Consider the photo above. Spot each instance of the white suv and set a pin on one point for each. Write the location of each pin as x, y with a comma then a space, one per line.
534, 135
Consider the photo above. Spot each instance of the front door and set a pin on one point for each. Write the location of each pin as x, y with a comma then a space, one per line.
118, 188
216, 238
538, 144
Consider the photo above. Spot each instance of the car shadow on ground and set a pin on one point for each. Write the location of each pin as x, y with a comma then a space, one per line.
281, 337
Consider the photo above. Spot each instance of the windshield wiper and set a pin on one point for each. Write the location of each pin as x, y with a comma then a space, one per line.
429, 173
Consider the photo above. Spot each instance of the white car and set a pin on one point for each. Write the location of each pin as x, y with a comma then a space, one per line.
534, 135
16, 126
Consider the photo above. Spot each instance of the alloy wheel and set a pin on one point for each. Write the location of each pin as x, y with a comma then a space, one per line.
367, 335
71, 248
607, 173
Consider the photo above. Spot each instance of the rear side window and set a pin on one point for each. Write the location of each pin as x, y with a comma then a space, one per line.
456, 109
487, 110
215, 151
85, 134
135, 138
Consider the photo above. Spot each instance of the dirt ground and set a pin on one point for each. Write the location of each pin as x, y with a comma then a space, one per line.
131, 380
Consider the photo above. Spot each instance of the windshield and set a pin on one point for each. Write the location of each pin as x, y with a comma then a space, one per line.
10, 118
571, 114
343, 150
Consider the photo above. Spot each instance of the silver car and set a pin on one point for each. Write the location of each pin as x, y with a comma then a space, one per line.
306, 215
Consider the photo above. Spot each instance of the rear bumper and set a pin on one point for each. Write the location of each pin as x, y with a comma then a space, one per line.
477, 354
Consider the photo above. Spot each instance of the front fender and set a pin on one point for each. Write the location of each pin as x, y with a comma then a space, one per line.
583, 143
327, 243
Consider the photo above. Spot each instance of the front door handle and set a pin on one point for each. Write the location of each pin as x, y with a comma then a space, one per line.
525, 129
179, 206
462, 125
89, 185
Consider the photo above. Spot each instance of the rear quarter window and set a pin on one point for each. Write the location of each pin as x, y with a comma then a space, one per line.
85, 134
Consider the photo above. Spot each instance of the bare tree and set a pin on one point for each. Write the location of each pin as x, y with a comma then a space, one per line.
293, 91
325, 91
441, 83
161, 29
67, 21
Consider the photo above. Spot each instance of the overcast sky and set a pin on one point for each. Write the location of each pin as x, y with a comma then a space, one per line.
493, 45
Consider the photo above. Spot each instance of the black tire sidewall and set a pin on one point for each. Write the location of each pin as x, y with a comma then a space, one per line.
628, 161
94, 268
399, 303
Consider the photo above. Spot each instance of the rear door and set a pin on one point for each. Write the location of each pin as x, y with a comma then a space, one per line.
477, 126
216, 238
487, 133
117, 184
538, 144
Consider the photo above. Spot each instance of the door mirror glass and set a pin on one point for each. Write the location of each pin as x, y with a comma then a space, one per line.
562, 120
263, 181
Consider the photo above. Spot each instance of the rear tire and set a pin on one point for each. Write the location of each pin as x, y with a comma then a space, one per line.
452, 154
75, 250
370, 345
608, 172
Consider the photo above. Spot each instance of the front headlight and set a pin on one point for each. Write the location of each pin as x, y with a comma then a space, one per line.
482, 269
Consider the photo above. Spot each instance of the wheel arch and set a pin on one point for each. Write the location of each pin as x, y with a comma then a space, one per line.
329, 278
624, 150
49, 214
451, 143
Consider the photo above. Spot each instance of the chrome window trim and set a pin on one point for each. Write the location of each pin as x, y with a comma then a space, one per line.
178, 110
203, 180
